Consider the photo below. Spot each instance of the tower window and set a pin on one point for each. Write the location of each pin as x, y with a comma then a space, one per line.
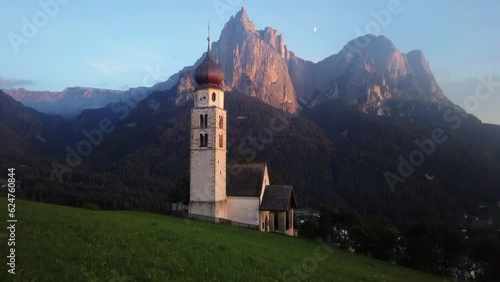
213, 97
221, 122
203, 121
203, 140
221, 142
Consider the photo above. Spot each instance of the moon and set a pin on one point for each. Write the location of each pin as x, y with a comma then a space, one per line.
315, 29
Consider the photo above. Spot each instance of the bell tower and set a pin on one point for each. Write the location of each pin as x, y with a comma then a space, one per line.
208, 142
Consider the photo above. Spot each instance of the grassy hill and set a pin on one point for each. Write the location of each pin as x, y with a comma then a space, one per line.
55, 243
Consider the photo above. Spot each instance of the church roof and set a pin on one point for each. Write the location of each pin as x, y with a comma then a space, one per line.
278, 198
246, 180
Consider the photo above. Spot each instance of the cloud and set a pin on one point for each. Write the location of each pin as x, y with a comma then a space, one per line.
106, 67
14, 83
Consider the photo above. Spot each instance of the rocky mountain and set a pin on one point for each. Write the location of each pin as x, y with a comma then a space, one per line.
68, 103
254, 62
367, 72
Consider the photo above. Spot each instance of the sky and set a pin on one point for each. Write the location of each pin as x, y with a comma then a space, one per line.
54, 44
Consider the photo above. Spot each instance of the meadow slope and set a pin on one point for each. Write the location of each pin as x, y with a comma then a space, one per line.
56, 243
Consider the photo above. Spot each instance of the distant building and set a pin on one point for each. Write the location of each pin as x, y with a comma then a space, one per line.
246, 197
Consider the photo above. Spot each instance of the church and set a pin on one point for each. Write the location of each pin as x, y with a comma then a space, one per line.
246, 198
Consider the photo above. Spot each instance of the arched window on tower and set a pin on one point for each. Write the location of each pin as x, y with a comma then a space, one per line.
206, 121
221, 141
213, 97
202, 121
221, 122
202, 140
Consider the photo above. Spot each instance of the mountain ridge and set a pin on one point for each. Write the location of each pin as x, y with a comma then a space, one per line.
69, 102
258, 63
367, 72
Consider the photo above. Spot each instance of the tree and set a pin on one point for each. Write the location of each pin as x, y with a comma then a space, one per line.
382, 239
344, 226
485, 251
180, 193
434, 247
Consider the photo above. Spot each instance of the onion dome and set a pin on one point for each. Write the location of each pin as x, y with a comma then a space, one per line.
209, 72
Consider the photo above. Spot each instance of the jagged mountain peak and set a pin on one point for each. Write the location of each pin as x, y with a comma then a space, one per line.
242, 15
254, 62
241, 22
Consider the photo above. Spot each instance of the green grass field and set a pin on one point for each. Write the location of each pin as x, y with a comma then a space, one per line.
55, 243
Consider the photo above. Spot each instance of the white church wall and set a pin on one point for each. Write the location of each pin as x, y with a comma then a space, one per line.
201, 179
243, 209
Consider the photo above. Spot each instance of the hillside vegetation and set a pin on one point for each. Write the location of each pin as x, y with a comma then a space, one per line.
56, 243
343, 155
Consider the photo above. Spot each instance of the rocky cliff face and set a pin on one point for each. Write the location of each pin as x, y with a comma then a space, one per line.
367, 72
255, 62
423, 76
303, 76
